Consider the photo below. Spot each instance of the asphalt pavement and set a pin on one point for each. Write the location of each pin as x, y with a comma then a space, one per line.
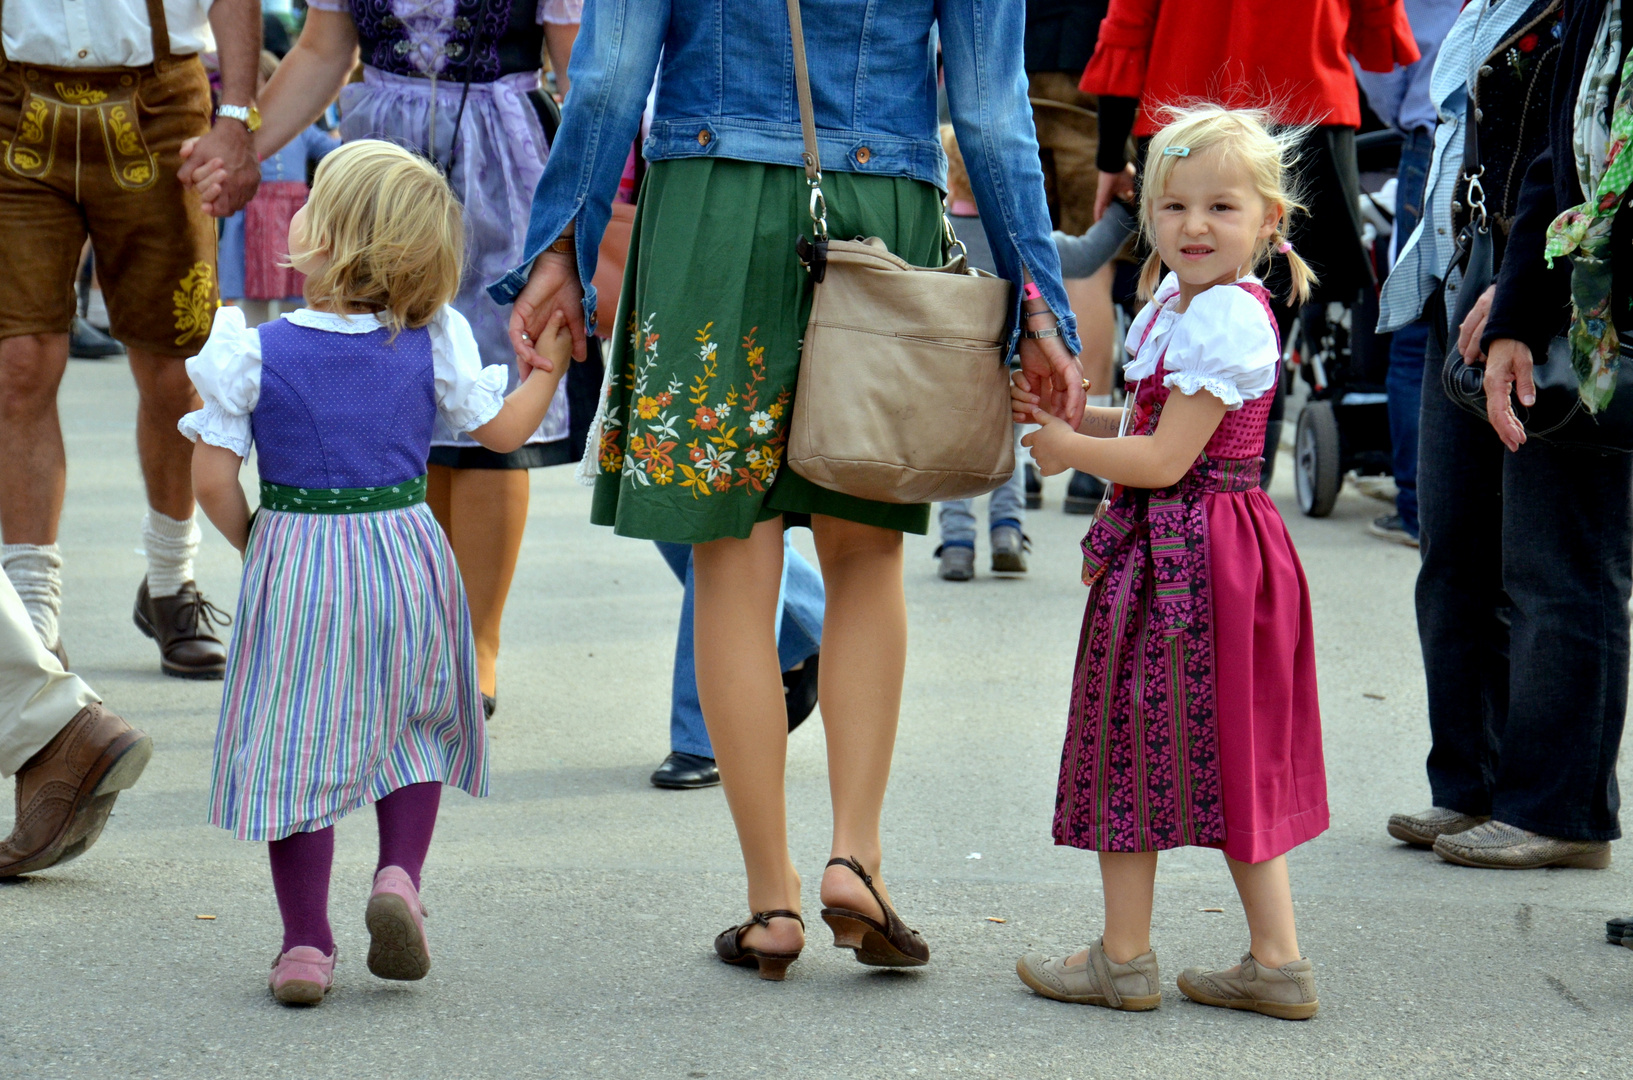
572, 911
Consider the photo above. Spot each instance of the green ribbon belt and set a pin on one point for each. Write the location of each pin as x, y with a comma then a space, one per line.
364, 500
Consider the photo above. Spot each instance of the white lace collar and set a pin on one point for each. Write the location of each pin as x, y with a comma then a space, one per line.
364, 323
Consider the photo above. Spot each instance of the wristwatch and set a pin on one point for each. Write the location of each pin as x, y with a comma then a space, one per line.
562, 245
248, 115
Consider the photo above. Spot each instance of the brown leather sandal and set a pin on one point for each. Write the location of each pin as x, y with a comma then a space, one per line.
891, 943
772, 965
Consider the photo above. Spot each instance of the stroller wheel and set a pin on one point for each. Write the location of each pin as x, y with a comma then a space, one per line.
1318, 475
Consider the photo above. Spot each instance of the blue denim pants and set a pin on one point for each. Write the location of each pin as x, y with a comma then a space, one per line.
1404, 383
1005, 506
800, 603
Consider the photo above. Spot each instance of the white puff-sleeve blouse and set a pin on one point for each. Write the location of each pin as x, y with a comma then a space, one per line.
227, 373
1223, 343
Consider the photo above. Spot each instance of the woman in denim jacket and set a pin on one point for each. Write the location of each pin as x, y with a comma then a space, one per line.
700, 384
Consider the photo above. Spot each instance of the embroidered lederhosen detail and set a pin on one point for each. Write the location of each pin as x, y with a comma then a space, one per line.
101, 99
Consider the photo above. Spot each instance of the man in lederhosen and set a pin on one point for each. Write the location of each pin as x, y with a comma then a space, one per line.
96, 97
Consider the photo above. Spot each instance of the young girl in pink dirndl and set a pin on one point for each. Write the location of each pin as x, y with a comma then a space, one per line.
1194, 717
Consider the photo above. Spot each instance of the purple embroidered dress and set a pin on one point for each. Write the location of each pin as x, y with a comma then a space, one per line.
352, 669
417, 57
1194, 717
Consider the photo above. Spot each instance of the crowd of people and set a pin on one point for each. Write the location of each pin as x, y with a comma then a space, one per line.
438, 351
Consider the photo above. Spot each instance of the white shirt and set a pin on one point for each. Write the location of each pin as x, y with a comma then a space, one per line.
100, 33
227, 373
1223, 343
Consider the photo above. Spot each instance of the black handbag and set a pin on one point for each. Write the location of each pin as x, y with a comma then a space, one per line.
1559, 417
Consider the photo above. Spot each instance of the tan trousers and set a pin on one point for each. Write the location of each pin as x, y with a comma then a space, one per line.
37, 697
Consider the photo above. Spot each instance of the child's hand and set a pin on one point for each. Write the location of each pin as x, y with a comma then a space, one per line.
553, 350
1050, 442
1022, 400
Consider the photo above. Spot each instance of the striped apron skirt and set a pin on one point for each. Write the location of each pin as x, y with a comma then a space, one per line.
351, 672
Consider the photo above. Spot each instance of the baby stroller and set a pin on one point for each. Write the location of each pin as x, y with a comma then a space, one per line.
1343, 428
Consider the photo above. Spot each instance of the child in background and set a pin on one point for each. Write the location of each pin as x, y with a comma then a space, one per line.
254, 248
351, 675
1194, 717
1006, 506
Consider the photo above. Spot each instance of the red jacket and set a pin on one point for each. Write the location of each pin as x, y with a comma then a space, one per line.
1291, 56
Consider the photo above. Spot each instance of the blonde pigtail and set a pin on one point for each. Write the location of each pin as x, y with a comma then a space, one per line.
1303, 278
1150, 276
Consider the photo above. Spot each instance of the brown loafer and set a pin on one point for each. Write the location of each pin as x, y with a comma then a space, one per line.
65, 791
184, 626
1422, 830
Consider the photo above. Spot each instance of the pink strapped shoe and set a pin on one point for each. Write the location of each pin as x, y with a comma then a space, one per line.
396, 921
302, 976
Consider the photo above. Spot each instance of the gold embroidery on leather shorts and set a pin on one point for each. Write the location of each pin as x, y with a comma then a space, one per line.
32, 153
81, 93
195, 303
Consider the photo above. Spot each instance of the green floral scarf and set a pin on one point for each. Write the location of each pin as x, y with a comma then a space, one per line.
1582, 233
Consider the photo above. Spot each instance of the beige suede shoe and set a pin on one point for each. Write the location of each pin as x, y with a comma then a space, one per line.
1422, 830
1131, 987
1287, 993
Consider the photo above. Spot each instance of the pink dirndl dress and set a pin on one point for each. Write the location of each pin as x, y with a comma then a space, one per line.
1194, 717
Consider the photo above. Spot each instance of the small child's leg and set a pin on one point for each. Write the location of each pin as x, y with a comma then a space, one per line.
1267, 896
1130, 881
395, 916
300, 876
407, 817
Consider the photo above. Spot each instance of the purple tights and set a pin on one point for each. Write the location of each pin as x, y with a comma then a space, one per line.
301, 862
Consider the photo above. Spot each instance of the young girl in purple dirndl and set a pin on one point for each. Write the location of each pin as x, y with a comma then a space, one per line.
351, 675
1194, 718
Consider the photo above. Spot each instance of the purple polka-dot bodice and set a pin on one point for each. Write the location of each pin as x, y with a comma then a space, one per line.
343, 410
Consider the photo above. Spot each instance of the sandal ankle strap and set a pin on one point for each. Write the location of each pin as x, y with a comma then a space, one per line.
764, 918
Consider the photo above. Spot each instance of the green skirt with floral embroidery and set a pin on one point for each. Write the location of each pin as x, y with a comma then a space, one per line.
714, 304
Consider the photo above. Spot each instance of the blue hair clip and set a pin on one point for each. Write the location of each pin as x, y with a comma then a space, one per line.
1176, 151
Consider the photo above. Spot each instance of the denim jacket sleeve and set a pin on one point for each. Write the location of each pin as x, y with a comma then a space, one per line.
987, 94
614, 62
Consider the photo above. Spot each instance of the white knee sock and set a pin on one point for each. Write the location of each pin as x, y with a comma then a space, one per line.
170, 545
35, 571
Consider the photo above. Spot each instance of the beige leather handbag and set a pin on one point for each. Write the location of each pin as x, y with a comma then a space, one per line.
903, 393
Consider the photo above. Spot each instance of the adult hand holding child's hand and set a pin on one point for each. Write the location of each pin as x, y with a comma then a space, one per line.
1049, 443
554, 348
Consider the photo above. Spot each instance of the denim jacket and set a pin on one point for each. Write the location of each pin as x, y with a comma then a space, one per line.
726, 89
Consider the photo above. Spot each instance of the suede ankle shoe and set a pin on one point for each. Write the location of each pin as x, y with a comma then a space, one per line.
1287, 993
1131, 987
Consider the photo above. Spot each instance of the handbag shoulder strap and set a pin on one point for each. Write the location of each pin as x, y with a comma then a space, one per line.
807, 127
802, 81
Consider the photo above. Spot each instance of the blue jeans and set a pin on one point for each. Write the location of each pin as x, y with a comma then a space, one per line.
1404, 384
800, 604
1006, 506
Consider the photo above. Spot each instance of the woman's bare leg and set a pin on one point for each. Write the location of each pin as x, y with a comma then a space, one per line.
1267, 896
484, 513
864, 654
739, 683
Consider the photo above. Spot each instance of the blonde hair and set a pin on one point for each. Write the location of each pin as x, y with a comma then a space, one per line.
958, 177
391, 229
1247, 138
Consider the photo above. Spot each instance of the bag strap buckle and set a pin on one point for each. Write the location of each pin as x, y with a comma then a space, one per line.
814, 256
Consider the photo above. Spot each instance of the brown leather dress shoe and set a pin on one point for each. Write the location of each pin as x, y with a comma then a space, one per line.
184, 626
64, 792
